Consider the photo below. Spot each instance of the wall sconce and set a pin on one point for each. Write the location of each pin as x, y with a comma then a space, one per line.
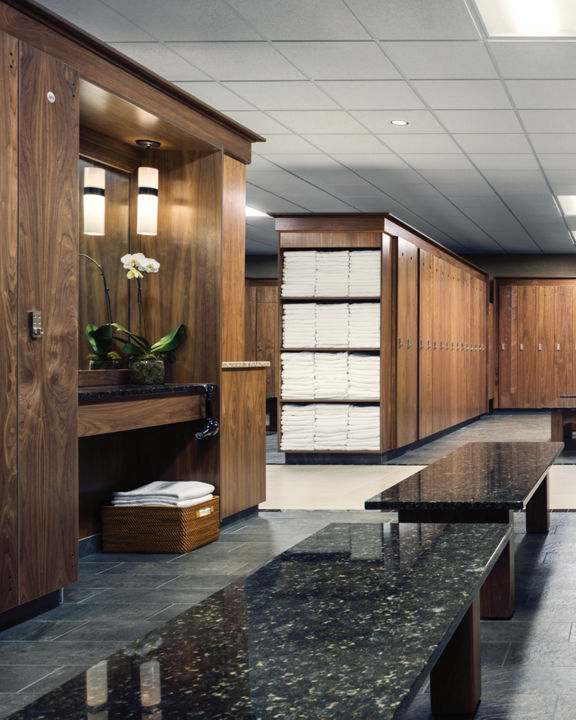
150, 687
94, 202
147, 213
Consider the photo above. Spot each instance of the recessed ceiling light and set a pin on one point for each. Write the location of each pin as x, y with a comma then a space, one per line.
528, 18
252, 212
568, 204
399, 122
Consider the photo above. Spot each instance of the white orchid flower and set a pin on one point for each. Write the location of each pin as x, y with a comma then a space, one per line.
133, 272
150, 265
136, 260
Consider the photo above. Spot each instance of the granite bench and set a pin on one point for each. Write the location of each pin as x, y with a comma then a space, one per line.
480, 482
348, 623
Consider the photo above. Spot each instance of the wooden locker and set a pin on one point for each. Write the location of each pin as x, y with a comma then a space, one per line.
543, 388
563, 340
267, 334
508, 346
8, 324
425, 346
527, 348
48, 366
407, 344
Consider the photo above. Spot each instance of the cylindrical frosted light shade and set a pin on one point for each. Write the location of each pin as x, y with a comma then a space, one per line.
150, 687
97, 684
147, 221
94, 202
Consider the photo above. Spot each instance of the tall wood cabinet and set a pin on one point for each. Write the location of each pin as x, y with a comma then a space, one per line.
536, 346
65, 95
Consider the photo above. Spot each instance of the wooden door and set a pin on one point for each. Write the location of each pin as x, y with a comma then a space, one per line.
543, 390
527, 347
563, 342
425, 386
407, 345
48, 366
8, 323
262, 338
508, 346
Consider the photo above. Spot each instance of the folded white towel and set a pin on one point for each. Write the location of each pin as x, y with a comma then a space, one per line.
145, 501
175, 490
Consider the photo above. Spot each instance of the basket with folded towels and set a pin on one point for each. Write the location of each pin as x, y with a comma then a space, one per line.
161, 517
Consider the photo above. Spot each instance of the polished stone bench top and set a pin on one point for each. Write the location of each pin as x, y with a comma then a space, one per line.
112, 392
346, 624
483, 475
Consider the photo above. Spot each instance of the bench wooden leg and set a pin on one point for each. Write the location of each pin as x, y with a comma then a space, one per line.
497, 593
556, 425
455, 681
537, 509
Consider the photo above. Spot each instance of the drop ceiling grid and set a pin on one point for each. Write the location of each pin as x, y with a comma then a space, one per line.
321, 80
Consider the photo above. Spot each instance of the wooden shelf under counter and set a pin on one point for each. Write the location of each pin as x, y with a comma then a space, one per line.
117, 408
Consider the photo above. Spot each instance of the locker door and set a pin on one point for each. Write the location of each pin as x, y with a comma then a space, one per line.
508, 346
563, 344
407, 345
545, 352
527, 320
425, 346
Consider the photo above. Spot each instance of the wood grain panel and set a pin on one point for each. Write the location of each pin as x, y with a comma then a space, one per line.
330, 223
48, 367
267, 335
188, 287
563, 340
233, 253
250, 321
426, 344
105, 67
8, 323
527, 378
507, 346
545, 353
110, 151
491, 352
330, 240
407, 345
388, 343
242, 439
104, 418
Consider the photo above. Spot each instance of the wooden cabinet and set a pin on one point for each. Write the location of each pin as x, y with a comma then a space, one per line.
536, 341
39, 481
407, 344
262, 328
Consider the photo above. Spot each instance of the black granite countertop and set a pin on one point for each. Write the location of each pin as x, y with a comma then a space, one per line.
110, 392
488, 475
346, 624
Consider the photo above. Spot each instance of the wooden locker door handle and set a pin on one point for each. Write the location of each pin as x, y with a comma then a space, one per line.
503, 347
557, 346
399, 342
408, 343
521, 346
539, 346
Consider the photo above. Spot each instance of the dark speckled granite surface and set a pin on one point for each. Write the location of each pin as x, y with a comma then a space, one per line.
345, 625
110, 392
487, 475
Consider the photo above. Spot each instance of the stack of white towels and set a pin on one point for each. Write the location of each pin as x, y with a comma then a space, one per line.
330, 376
332, 322
364, 325
364, 273
338, 426
299, 325
331, 325
331, 273
183, 493
299, 273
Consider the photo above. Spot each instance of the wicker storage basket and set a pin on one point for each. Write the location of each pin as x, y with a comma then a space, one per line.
156, 529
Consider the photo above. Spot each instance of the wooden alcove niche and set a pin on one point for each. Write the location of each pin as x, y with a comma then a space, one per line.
186, 290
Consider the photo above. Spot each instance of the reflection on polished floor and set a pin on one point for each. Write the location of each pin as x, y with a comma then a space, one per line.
529, 662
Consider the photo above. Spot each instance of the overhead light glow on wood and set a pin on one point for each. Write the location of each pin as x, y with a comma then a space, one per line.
528, 18
252, 212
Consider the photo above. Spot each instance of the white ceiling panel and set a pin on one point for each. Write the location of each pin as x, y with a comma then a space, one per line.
534, 60
382, 162
258, 121
549, 94
418, 60
339, 60
276, 95
215, 94
431, 161
493, 143
379, 121
504, 161
98, 19
294, 161
558, 161
479, 121
418, 144
238, 60
346, 144
563, 182
462, 94
161, 60
416, 19
545, 121
284, 144
269, 202
310, 121
372, 94
301, 19
554, 143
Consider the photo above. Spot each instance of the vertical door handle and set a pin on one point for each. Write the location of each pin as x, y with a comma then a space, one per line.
557, 346
539, 346
399, 342
503, 347
521, 346
421, 344
36, 329
408, 343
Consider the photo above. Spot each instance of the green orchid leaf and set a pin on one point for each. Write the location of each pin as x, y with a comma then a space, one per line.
169, 342
140, 341
131, 349
101, 338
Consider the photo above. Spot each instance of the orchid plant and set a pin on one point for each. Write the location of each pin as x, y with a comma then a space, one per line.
137, 345
101, 337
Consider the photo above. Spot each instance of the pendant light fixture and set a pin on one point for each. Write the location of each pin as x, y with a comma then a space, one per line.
94, 200
147, 211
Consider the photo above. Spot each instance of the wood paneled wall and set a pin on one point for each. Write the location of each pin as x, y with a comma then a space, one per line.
407, 344
536, 341
262, 334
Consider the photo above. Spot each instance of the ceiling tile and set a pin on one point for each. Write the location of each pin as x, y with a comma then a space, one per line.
216, 95
493, 143
301, 19
317, 121
284, 144
378, 121
533, 60
416, 19
443, 60
479, 121
543, 93
257, 121
449, 161
504, 161
554, 143
237, 60
419, 144
98, 19
339, 60
546, 121
269, 202
346, 143
185, 20
372, 94
296, 161
565, 161
373, 161
282, 95
462, 94
161, 60
563, 182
